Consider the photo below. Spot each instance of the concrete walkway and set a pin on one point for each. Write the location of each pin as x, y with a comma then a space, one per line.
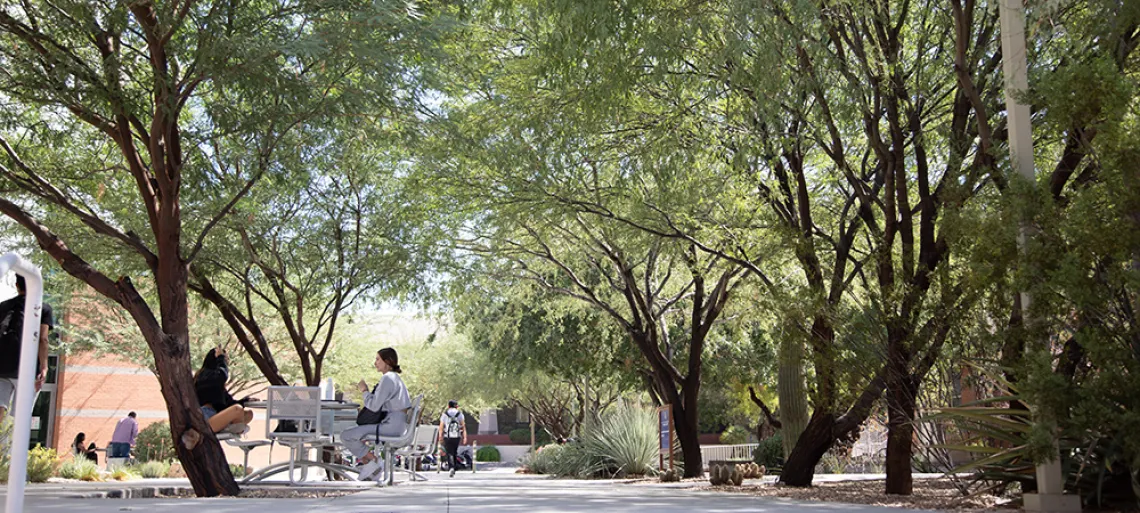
498, 490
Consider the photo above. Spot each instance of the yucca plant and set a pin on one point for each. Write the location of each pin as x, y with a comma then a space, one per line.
624, 441
1002, 438
82, 469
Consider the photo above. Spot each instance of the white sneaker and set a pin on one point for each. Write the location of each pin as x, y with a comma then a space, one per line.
369, 471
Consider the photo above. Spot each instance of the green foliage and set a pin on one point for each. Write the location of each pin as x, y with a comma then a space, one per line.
153, 469
734, 435
80, 468
521, 436
154, 443
237, 470
488, 453
42, 464
770, 452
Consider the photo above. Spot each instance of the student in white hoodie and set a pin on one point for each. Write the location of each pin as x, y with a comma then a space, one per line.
452, 431
390, 398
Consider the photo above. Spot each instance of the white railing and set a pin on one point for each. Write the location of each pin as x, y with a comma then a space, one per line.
727, 452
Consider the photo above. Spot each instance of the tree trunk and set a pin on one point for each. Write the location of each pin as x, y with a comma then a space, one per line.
202, 457
815, 440
685, 425
901, 403
792, 391
901, 400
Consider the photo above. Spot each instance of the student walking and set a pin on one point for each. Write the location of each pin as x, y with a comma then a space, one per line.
11, 330
452, 432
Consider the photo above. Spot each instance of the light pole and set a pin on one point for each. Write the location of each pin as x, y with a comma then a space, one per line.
1050, 497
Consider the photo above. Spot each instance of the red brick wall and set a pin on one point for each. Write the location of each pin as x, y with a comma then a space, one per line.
94, 393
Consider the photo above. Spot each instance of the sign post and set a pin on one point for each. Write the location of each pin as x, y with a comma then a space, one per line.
665, 428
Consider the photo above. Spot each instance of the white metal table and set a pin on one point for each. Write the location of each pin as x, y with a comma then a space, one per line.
335, 417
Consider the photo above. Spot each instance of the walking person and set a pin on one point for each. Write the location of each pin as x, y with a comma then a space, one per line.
126, 431
11, 331
221, 410
452, 431
383, 412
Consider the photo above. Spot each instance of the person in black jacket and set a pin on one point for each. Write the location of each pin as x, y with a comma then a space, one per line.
219, 407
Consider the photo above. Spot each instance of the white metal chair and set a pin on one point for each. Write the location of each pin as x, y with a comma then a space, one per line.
387, 445
302, 405
423, 444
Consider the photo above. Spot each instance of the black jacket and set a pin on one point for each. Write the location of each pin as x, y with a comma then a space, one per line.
210, 383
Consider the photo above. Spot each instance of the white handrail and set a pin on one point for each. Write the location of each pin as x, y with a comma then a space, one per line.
727, 452
25, 388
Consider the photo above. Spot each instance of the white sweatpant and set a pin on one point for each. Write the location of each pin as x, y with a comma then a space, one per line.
353, 437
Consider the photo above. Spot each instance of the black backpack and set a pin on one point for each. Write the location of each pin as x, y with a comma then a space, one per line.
11, 326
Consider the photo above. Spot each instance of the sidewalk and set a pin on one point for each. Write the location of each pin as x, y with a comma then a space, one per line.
494, 490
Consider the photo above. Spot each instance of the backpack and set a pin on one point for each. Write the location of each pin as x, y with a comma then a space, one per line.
453, 428
11, 327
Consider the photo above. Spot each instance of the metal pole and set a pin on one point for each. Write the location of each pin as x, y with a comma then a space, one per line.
1050, 481
25, 387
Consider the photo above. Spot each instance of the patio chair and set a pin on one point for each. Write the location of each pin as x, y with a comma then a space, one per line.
387, 445
302, 405
423, 444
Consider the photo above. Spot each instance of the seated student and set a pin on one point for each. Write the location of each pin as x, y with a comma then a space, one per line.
81, 451
388, 401
222, 412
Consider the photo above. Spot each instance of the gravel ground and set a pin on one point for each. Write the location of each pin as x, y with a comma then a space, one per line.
935, 494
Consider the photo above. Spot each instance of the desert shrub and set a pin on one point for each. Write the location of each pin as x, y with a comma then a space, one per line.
153, 469
42, 464
770, 452
154, 443
121, 473
80, 468
488, 453
734, 435
542, 460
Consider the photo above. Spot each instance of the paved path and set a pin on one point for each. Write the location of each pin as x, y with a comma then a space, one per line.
495, 491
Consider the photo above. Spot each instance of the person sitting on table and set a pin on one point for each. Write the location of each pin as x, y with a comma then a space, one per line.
86, 452
222, 412
388, 401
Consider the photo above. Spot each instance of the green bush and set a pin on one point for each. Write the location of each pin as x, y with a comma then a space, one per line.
42, 464
734, 435
5, 436
154, 443
521, 436
153, 469
488, 453
80, 468
770, 452
237, 470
